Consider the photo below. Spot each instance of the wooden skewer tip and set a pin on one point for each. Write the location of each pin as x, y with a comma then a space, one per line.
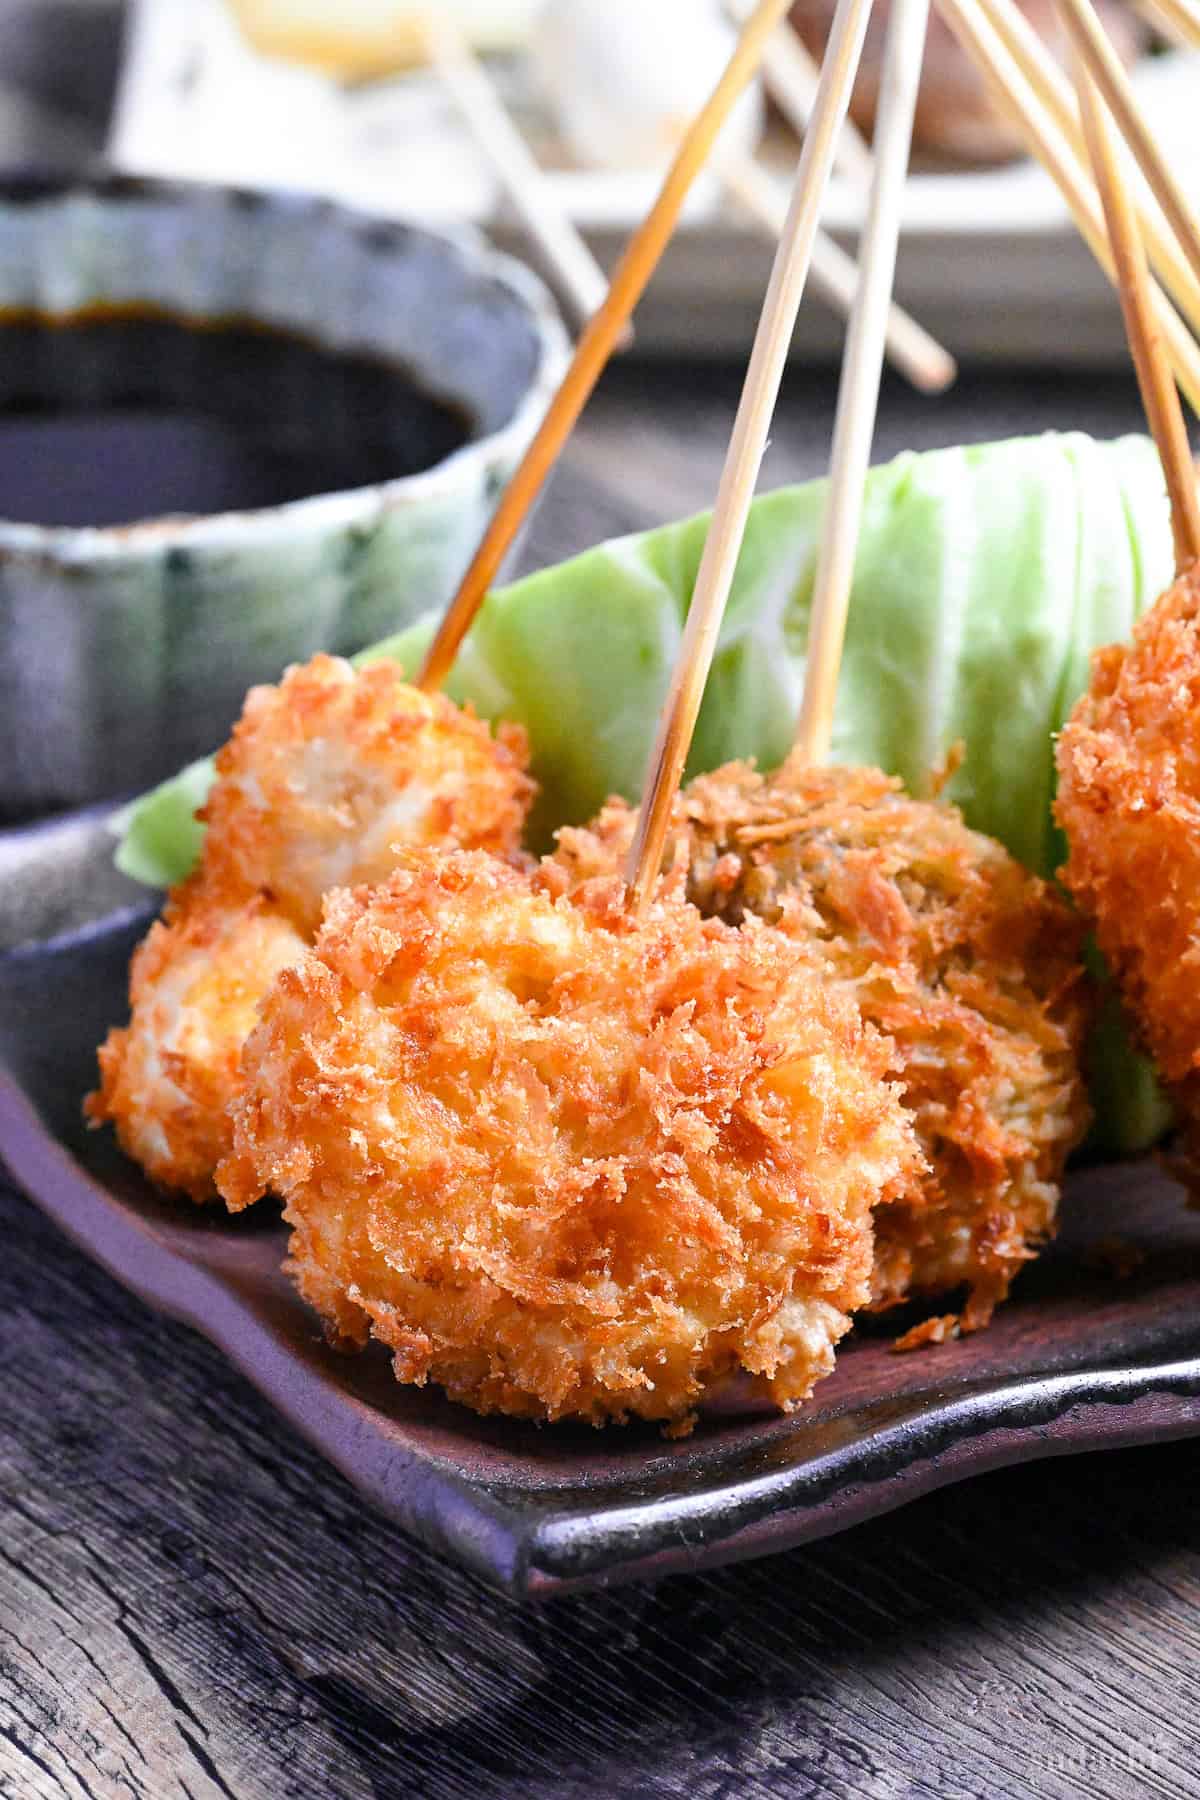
744, 459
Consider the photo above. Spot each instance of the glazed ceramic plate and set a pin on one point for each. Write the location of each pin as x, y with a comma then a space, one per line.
1100, 1346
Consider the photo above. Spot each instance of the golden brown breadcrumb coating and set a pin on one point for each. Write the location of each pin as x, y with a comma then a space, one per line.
195, 982
563, 1163
969, 963
1129, 802
327, 776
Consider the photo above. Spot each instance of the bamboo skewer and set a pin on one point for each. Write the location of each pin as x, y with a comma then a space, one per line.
790, 75
744, 459
522, 177
909, 346
1053, 88
966, 18
597, 342
1162, 23
862, 367
1183, 17
1091, 43
1159, 396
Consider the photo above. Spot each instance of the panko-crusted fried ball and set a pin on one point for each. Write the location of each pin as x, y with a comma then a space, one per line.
566, 1164
969, 963
333, 771
167, 1079
1129, 802
327, 777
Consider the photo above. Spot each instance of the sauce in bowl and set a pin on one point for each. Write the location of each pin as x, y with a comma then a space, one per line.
113, 416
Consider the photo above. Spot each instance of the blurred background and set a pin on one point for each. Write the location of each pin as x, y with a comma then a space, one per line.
344, 98
253, 406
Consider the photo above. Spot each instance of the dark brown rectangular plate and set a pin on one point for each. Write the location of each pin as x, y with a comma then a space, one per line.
1080, 1358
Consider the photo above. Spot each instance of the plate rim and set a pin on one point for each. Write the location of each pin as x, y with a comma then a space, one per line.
569, 1547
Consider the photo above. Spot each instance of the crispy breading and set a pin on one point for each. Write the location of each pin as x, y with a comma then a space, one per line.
967, 961
566, 1164
1129, 802
195, 982
331, 772
326, 777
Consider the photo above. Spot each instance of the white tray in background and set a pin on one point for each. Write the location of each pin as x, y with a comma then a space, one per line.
989, 259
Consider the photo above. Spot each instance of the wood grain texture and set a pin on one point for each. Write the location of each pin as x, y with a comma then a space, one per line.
193, 1605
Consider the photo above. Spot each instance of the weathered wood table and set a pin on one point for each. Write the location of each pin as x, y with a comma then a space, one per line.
193, 1605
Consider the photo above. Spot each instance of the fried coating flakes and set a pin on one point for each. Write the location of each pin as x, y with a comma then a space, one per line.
1129, 802
969, 963
326, 778
332, 772
166, 1080
565, 1164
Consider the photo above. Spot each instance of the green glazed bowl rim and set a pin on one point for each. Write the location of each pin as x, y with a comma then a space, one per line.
315, 514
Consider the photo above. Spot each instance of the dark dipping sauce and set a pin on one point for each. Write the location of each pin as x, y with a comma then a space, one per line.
107, 418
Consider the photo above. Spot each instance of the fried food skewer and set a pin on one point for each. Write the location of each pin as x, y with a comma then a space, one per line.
596, 344
968, 963
568, 1156
327, 776
566, 1163
776, 324
168, 1079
